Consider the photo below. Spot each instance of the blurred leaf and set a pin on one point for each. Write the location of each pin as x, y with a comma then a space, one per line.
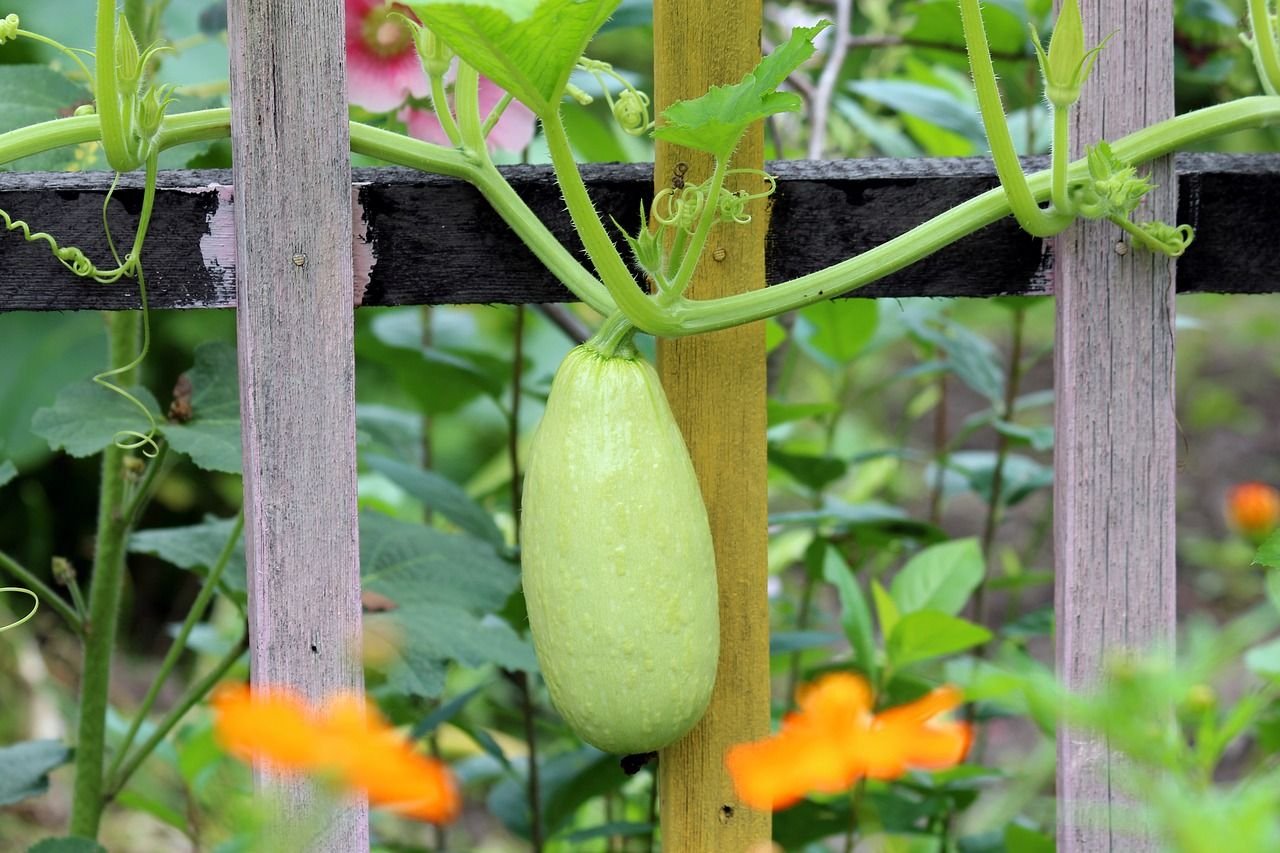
412, 564
389, 430
1039, 437
630, 13
838, 329
568, 780
975, 470
939, 21
1269, 553
785, 642
861, 518
808, 821
212, 437
1264, 659
439, 381
928, 634
196, 547
855, 615
932, 104
26, 768
441, 495
407, 673
42, 353
886, 610
814, 472
67, 844
941, 577
1034, 623
1210, 10
445, 712
784, 413
7, 472
30, 94
592, 136
86, 417
620, 829
969, 356
1273, 588
887, 140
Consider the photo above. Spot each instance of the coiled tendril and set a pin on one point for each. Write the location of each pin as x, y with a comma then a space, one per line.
630, 109
34, 607
682, 207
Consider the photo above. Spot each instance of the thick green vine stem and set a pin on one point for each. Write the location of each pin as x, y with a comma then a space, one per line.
1262, 43
615, 337
1032, 218
105, 588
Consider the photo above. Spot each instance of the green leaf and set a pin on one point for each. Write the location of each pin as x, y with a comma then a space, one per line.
413, 564
928, 634
568, 780
886, 610
786, 642
975, 470
67, 844
440, 494
1272, 584
443, 632
25, 767
716, 121
86, 417
784, 413
1264, 659
7, 471
855, 616
838, 328
1269, 553
445, 712
1019, 839
933, 104
528, 47
30, 94
815, 472
941, 577
196, 547
42, 353
212, 437
969, 356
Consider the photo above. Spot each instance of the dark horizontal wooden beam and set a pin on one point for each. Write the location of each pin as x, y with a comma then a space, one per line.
423, 239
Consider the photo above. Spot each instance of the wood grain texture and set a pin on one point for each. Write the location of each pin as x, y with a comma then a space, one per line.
433, 240
1115, 449
716, 385
295, 326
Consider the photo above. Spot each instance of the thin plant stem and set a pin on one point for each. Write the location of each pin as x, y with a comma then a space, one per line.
179, 644
47, 593
940, 451
105, 592
855, 802
651, 838
533, 789
521, 679
802, 622
195, 693
1013, 379
145, 491
820, 103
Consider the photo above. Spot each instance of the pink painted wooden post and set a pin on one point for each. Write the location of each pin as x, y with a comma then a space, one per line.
293, 251
1115, 458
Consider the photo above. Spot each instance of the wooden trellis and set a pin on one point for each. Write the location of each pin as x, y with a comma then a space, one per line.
276, 249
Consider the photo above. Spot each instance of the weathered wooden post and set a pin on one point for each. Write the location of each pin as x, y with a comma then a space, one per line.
1115, 457
716, 385
292, 180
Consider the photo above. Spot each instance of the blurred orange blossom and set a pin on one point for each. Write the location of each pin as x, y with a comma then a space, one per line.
346, 742
834, 739
1253, 508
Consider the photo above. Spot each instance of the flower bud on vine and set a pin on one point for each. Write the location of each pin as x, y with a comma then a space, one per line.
1113, 188
129, 63
1171, 240
1067, 65
63, 572
435, 54
149, 113
8, 28
85, 110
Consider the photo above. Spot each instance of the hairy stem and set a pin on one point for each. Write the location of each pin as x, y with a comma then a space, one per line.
106, 587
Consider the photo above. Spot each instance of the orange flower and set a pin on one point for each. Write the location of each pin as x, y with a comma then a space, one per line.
348, 743
1253, 508
834, 739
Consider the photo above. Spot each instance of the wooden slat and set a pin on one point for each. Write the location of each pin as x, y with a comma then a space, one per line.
432, 240
716, 385
292, 224
1115, 449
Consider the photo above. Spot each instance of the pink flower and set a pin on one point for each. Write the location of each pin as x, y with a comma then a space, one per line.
382, 63
512, 132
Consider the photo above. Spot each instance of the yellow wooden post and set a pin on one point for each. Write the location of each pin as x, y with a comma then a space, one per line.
716, 385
